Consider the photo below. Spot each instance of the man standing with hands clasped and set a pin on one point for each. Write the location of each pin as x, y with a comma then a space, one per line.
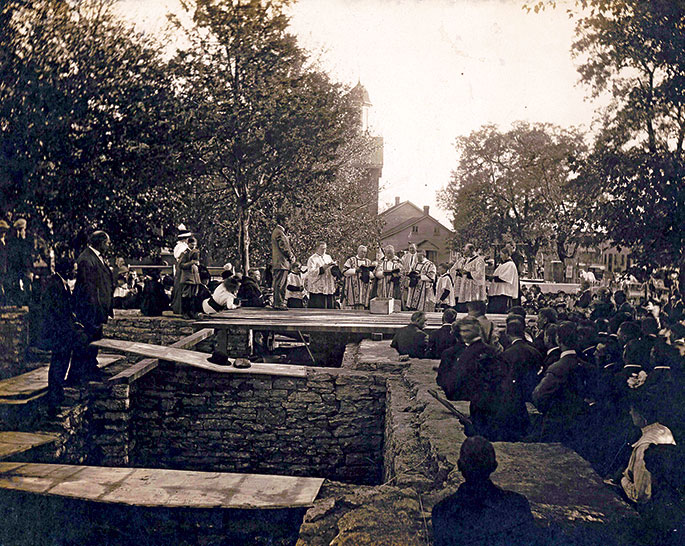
282, 259
504, 284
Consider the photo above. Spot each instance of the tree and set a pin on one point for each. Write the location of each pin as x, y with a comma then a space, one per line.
632, 185
515, 184
635, 177
270, 130
89, 125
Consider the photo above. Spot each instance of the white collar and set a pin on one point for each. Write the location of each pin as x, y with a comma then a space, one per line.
474, 340
566, 353
97, 253
64, 282
549, 351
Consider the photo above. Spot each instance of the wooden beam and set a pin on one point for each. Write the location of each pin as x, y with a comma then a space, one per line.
197, 359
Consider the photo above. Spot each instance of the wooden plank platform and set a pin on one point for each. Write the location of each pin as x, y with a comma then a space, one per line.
196, 359
12, 442
322, 320
161, 487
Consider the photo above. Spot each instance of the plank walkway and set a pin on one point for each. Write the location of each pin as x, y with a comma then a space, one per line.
12, 442
161, 487
29, 386
197, 359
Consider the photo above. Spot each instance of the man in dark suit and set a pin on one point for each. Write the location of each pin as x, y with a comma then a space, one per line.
523, 357
412, 340
4, 228
443, 338
552, 350
480, 512
20, 255
497, 409
450, 356
546, 315
282, 258
559, 396
59, 329
93, 304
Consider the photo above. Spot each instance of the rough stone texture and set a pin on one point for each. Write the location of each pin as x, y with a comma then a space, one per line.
567, 497
347, 515
329, 424
130, 325
14, 340
422, 442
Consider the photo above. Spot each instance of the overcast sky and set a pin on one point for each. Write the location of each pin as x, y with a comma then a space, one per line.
435, 70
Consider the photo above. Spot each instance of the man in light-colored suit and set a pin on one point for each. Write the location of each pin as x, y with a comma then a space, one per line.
282, 259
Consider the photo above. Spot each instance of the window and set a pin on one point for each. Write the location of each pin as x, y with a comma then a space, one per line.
415, 229
436, 231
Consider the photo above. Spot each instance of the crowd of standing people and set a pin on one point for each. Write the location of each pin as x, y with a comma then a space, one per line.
411, 279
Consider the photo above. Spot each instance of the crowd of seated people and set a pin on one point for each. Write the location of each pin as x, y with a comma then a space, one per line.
607, 379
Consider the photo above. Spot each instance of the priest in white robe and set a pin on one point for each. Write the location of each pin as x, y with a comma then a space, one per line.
503, 287
320, 281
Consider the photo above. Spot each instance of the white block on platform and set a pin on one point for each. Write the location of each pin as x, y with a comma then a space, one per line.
382, 306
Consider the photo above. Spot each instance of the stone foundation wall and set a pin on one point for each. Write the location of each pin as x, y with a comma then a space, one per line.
329, 424
14, 340
132, 326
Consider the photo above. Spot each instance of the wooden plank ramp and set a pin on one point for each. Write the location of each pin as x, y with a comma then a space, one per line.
12, 442
29, 386
156, 487
197, 359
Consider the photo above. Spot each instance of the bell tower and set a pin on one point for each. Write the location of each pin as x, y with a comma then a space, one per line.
372, 163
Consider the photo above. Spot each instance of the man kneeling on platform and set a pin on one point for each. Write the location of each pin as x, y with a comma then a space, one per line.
480, 512
224, 296
412, 340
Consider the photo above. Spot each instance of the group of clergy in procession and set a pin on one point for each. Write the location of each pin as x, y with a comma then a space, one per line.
420, 285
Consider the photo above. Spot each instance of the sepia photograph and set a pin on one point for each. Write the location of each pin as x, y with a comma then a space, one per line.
342, 272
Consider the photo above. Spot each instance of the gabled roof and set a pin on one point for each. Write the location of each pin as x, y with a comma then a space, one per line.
410, 222
427, 244
403, 203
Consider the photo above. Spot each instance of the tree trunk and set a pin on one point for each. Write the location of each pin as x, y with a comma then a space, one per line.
244, 215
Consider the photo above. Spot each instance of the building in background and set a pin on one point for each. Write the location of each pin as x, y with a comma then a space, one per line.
404, 223
371, 163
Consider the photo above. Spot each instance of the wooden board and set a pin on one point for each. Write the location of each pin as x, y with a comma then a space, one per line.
197, 359
12, 442
160, 487
28, 386
323, 320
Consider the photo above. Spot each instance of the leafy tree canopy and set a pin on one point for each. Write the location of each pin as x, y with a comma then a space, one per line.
89, 125
270, 130
516, 184
633, 183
